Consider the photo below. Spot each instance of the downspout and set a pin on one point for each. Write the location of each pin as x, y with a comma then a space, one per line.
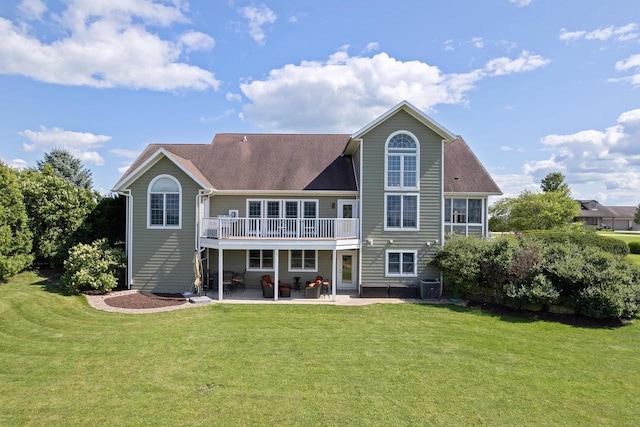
128, 239
201, 193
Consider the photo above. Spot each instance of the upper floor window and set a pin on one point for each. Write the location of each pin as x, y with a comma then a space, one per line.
463, 211
164, 201
401, 162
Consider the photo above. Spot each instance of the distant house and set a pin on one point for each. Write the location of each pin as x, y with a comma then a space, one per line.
369, 207
609, 217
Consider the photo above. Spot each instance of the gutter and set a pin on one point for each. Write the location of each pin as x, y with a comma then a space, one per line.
128, 242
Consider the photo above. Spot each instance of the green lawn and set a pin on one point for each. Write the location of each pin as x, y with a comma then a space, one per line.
64, 363
626, 237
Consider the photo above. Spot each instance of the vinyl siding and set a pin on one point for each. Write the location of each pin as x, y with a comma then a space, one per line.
163, 258
373, 195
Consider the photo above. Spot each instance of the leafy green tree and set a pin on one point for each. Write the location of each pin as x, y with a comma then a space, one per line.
533, 211
554, 182
15, 236
57, 212
636, 219
68, 167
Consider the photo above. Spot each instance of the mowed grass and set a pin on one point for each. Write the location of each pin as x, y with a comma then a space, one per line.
626, 237
64, 363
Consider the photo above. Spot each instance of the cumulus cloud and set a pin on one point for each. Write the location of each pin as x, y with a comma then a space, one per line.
107, 45
621, 34
258, 17
345, 92
598, 163
80, 144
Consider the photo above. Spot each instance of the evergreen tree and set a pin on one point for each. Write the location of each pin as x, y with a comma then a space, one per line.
68, 167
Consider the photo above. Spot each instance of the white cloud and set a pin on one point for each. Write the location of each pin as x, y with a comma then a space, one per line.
123, 169
478, 42
234, 97
18, 164
344, 93
123, 152
448, 45
632, 63
106, 45
372, 47
32, 9
596, 164
621, 34
525, 62
195, 40
521, 3
80, 144
505, 148
258, 17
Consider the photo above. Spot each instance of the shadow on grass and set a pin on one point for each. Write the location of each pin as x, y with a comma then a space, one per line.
524, 316
50, 281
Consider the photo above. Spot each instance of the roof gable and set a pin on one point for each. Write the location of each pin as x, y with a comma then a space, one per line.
415, 113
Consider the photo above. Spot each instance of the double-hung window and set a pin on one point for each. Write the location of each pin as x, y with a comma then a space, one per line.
401, 182
164, 201
260, 259
401, 263
303, 260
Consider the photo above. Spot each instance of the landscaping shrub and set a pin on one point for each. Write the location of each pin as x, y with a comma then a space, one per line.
582, 238
459, 262
537, 290
594, 281
634, 247
92, 267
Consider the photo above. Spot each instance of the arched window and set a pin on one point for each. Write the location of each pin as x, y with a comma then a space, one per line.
165, 202
401, 162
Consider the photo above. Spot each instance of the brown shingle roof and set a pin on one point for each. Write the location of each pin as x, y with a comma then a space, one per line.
265, 161
463, 172
291, 162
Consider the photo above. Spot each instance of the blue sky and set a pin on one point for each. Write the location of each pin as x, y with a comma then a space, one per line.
533, 86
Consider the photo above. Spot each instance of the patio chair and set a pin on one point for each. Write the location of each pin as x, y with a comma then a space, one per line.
312, 290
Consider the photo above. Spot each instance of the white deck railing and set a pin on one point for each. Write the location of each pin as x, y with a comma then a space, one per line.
279, 228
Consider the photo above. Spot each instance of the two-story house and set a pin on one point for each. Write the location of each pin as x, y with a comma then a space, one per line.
368, 207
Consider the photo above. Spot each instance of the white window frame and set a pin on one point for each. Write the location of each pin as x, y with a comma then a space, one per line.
164, 225
387, 153
282, 207
450, 219
401, 252
315, 257
401, 227
262, 267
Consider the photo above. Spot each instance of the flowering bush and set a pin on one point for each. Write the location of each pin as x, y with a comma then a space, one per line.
92, 267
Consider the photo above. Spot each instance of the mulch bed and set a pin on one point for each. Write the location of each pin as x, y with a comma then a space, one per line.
140, 300
566, 319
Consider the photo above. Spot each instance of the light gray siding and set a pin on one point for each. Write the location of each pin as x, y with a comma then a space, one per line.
373, 194
163, 258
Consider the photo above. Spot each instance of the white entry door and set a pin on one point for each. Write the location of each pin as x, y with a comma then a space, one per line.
347, 266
